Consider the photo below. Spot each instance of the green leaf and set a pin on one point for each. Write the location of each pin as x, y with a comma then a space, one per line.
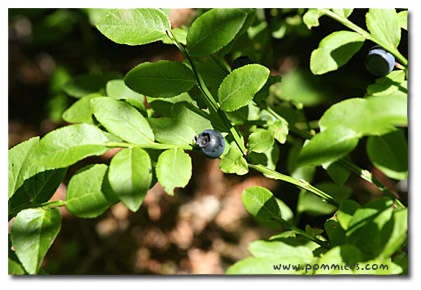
122, 120
333, 261
338, 192
86, 84
388, 84
233, 161
327, 146
65, 146
19, 164
384, 25
179, 33
214, 29
369, 116
337, 172
81, 111
279, 130
41, 186
366, 227
397, 232
334, 51
262, 205
389, 153
343, 12
303, 87
118, 90
403, 19
346, 210
262, 249
260, 141
172, 131
162, 79
188, 114
85, 192
313, 205
163, 106
335, 232
311, 18
268, 158
14, 267
130, 176
33, 232
173, 169
240, 86
134, 26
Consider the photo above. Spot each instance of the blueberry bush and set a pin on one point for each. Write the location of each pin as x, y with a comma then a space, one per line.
222, 100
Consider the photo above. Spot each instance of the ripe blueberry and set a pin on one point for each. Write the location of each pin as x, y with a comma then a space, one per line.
379, 62
211, 142
241, 61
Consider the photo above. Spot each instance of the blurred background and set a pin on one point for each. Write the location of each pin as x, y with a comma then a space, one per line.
204, 227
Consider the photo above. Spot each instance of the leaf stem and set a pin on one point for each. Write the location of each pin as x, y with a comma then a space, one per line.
298, 182
157, 146
344, 21
44, 205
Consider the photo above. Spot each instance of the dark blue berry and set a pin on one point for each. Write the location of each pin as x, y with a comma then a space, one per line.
241, 61
212, 143
380, 62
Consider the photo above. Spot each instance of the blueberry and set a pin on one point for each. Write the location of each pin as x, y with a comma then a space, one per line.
241, 61
211, 142
379, 62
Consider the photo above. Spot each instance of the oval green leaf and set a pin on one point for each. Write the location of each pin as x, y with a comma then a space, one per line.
66, 146
130, 176
173, 169
214, 29
240, 86
261, 204
260, 141
33, 232
86, 197
162, 79
86, 84
134, 26
334, 51
328, 146
389, 153
122, 120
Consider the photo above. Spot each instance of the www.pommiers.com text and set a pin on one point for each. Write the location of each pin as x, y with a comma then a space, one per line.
330, 267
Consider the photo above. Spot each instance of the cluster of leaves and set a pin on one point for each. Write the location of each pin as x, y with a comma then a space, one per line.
200, 93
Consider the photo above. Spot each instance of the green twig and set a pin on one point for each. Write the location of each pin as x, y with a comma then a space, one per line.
298, 182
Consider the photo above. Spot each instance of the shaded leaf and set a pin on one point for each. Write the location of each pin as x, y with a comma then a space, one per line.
118, 90
389, 153
81, 111
172, 131
86, 84
233, 161
162, 79
260, 141
334, 51
262, 205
